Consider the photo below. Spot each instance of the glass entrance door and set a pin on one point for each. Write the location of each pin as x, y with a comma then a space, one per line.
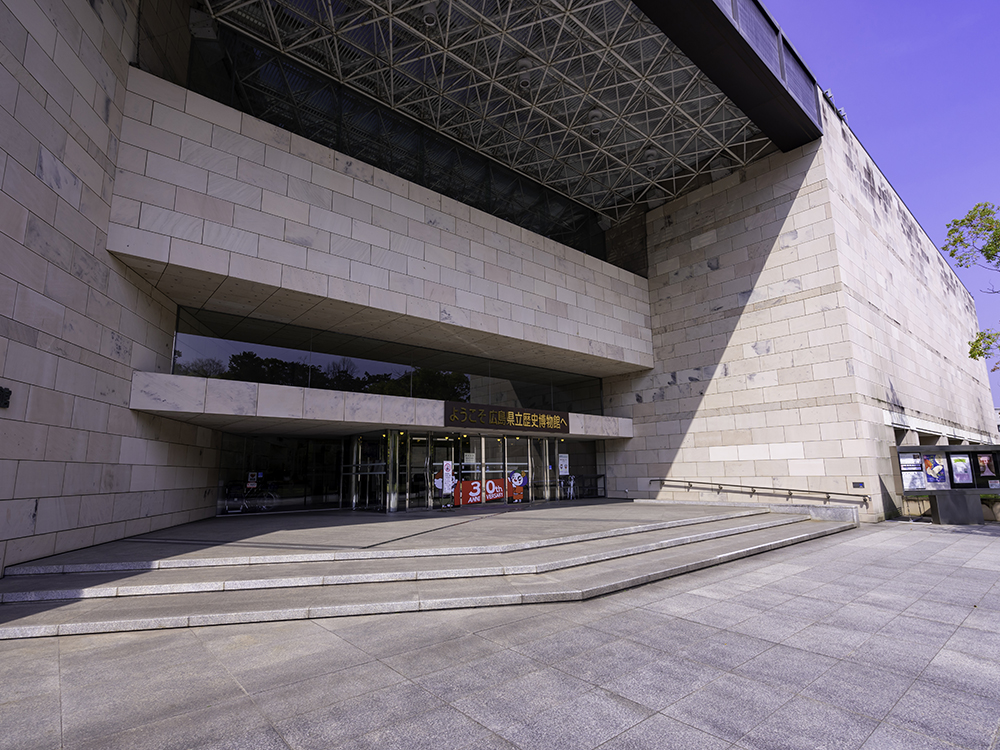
543, 473
366, 474
419, 471
494, 475
442, 471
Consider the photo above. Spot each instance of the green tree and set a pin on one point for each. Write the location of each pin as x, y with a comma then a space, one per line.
974, 241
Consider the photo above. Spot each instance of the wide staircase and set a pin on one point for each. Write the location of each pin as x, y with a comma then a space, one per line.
284, 567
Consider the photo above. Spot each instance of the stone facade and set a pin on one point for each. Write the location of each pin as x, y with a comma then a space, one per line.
796, 321
77, 466
218, 209
792, 305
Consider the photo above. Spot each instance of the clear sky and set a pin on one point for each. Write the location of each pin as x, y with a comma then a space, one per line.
920, 83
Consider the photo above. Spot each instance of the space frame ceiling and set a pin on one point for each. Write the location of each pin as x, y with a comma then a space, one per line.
586, 97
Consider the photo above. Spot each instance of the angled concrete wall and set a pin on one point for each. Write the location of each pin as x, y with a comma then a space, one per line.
789, 310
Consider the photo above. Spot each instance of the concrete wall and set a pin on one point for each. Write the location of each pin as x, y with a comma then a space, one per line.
218, 209
77, 467
788, 305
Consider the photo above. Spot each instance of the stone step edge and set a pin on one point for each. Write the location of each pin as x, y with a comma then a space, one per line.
212, 562
110, 592
560, 594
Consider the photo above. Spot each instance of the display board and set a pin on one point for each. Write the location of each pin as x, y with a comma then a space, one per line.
929, 469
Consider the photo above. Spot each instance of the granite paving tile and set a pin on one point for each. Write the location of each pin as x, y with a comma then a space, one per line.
263, 656
802, 723
659, 732
889, 652
952, 716
981, 643
859, 688
29, 668
314, 693
828, 640
582, 723
565, 644
502, 705
102, 697
233, 724
460, 680
438, 656
339, 723
428, 731
31, 723
730, 707
725, 650
926, 609
771, 626
786, 667
607, 662
662, 682
965, 672
891, 737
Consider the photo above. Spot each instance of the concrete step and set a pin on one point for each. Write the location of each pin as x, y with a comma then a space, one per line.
423, 564
580, 581
156, 553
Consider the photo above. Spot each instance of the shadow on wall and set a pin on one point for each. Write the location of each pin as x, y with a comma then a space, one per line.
740, 281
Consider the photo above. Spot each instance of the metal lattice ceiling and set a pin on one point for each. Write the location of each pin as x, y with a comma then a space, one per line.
588, 98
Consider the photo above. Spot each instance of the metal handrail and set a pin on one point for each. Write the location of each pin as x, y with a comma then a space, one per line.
753, 490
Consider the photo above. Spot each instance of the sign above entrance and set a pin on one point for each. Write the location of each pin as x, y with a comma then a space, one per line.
479, 416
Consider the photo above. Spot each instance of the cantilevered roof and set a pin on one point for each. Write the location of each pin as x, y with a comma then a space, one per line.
592, 99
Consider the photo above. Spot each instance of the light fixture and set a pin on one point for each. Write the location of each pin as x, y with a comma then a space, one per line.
524, 66
429, 14
595, 117
650, 155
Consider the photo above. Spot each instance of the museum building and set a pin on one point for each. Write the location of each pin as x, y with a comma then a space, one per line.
359, 254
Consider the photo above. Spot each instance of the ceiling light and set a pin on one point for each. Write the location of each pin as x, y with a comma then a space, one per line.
430, 15
595, 117
524, 66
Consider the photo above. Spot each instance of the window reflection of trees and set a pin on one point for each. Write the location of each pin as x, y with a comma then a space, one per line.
339, 375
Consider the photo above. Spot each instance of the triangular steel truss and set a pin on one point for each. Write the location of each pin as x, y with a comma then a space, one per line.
587, 97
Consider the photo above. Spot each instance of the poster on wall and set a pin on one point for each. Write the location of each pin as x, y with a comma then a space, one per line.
563, 464
911, 469
961, 469
470, 492
936, 471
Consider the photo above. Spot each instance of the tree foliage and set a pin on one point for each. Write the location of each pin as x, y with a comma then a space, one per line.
340, 375
974, 241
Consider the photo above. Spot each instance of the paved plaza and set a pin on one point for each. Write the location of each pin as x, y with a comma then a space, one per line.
884, 637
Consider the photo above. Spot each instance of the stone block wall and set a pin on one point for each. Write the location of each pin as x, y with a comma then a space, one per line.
217, 208
77, 467
775, 347
909, 316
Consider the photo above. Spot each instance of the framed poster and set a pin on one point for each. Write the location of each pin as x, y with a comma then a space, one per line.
911, 469
936, 471
961, 469
984, 466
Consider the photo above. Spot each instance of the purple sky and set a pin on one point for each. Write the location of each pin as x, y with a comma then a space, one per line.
920, 83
